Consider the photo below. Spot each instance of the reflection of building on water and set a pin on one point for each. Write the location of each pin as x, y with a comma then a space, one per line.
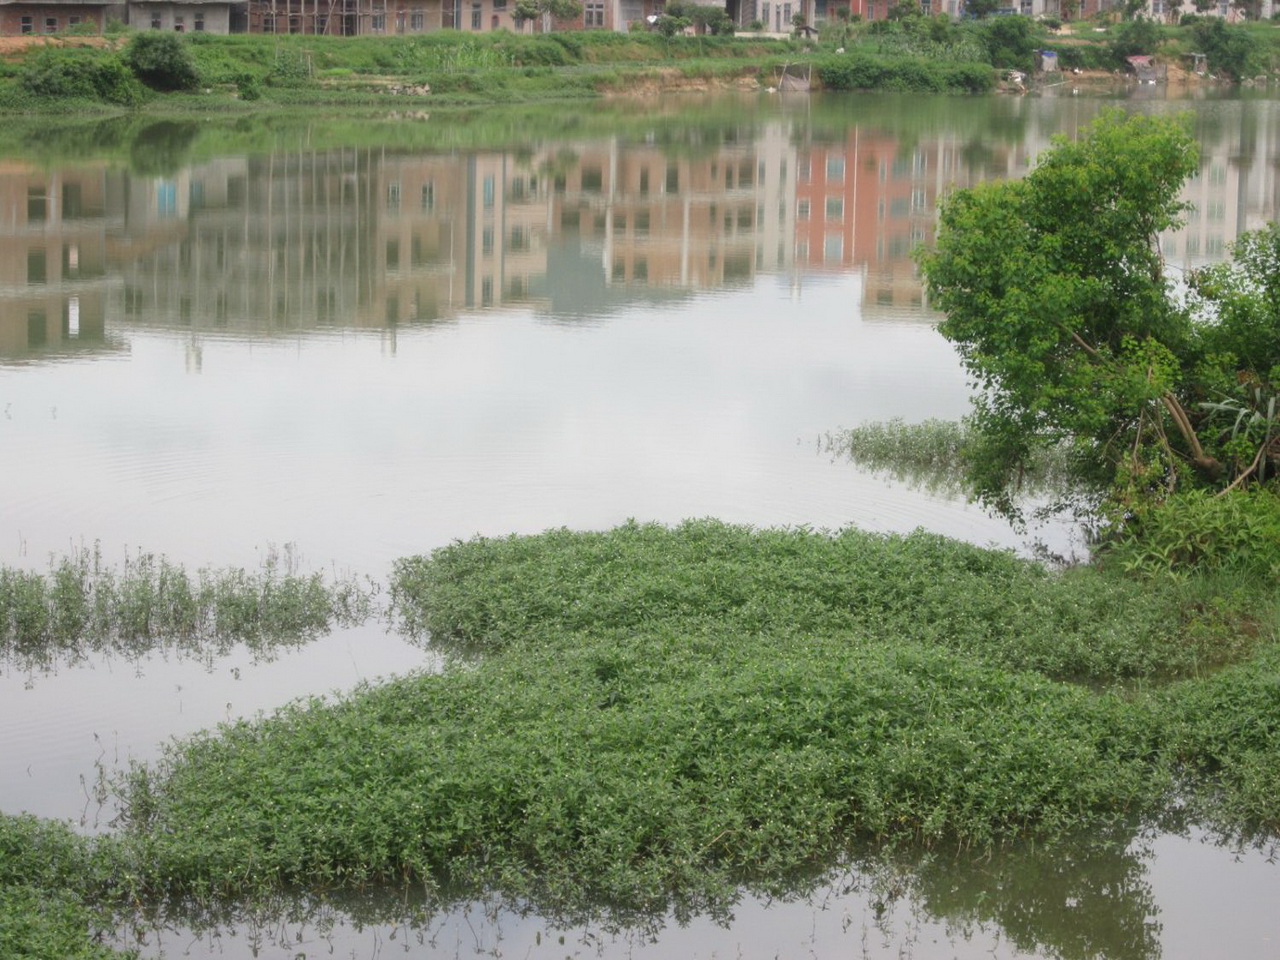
54, 239
868, 201
372, 239
1237, 189
659, 217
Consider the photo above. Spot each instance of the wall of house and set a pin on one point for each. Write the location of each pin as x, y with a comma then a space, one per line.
31, 18
182, 17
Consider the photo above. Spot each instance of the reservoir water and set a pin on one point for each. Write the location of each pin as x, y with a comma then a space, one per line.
221, 340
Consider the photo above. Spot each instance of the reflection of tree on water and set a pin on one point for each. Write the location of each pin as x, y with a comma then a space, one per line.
1087, 898
162, 149
1075, 901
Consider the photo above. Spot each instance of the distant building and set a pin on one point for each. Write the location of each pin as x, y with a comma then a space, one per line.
21, 17
182, 16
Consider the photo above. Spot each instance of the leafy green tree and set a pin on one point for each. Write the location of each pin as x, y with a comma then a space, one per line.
162, 61
1138, 37
546, 12
1056, 299
1238, 378
980, 9
1010, 42
1230, 50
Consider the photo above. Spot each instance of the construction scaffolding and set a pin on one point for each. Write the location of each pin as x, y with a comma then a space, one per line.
350, 18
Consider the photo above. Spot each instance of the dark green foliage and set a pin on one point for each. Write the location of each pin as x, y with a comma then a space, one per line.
1136, 37
1224, 732
1010, 42
861, 71
1200, 532
1231, 50
1055, 296
75, 73
633, 770
662, 715
162, 61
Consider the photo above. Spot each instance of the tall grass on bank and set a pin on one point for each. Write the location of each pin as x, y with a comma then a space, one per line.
83, 604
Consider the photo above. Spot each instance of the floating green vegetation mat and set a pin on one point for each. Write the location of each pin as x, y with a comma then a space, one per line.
650, 719
660, 716
85, 605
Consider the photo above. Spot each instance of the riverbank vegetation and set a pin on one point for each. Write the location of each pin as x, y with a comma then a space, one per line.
908, 52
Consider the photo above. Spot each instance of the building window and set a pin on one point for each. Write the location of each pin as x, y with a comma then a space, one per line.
833, 247
486, 242
268, 24
198, 25
488, 191
27, 25
50, 24
417, 21
594, 16
73, 21
835, 168
37, 204
155, 21
36, 271
179, 24
499, 4
322, 24
379, 23
476, 18
428, 197
835, 208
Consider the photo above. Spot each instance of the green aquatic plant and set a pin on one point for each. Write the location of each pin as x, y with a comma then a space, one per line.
492, 594
84, 604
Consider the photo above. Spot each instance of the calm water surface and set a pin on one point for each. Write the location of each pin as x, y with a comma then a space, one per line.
218, 340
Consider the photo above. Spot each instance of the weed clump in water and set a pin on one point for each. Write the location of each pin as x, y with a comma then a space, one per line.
83, 605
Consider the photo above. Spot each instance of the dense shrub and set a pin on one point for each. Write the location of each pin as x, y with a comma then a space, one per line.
1009, 41
1230, 50
1199, 530
80, 74
162, 61
860, 71
1137, 37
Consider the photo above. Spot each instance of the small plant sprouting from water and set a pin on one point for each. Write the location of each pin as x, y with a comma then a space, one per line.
84, 604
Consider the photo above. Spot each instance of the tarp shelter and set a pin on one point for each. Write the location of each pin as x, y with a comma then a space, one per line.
1047, 61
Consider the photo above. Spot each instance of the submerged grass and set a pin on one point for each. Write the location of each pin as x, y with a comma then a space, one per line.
83, 604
